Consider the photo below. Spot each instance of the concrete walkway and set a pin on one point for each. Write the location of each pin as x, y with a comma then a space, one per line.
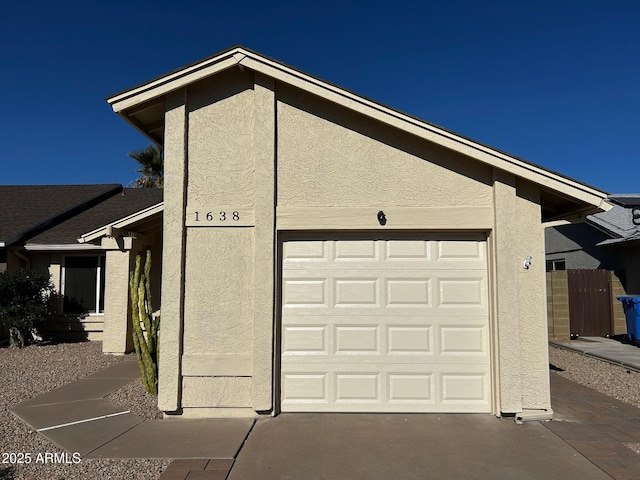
605, 349
77, 418
592, 437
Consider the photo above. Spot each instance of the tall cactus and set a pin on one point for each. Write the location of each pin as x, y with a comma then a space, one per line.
145, 343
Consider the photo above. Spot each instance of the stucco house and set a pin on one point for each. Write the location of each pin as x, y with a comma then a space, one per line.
326, 253
607, 240
591, 263
39, 228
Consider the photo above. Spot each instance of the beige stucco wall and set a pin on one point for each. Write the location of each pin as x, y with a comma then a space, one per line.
532, 299
330, 156
327, 168
175, 151
120, 257
218, 268
116, 337
218, 294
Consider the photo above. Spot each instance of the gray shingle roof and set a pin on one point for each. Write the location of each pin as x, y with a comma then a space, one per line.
618, 221
26, 210
127, 202
626, 200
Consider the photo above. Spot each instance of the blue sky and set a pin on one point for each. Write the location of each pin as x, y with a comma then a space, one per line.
554, 82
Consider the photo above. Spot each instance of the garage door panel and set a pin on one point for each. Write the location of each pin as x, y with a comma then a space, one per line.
462, 292
461, 250
385, 325
356, 292
409, 292
357, 387
306, 252
456, 251
466, 340
384, 388
411, 388
410, 340
357, 340
305, 340
401, 265
407, 250
390, 289
308, 292
460, 337
305, 387
464, 389
357, 250
334, 361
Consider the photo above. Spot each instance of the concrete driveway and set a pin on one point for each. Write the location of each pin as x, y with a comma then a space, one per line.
401, 446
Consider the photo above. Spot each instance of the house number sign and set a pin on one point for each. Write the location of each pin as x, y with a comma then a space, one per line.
220, 217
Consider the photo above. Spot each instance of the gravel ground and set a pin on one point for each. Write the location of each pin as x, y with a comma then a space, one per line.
37, 369
613, 380
136, 399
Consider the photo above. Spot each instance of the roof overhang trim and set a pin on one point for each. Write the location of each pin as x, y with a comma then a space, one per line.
239, 56
34, 247
121, 224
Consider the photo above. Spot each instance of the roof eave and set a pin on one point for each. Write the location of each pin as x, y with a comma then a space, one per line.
59, 247
589, 199
122, 223
619, 242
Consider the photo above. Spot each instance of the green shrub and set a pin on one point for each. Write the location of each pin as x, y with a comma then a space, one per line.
25, 300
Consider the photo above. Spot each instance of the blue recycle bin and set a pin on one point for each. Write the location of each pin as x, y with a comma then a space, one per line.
631, 306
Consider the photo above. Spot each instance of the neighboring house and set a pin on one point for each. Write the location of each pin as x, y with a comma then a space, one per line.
601, 257
622, 225
326, 253
39, 228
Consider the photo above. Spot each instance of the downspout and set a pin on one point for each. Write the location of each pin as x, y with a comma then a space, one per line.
534, 415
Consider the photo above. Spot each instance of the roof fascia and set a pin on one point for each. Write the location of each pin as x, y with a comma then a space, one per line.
173, 81
35, 247
438, 135
619, 242
121, 223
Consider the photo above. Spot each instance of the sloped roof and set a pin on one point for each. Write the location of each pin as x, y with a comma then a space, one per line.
143, 106
618, 222
28, 210
141, 221
127, 202
626, 200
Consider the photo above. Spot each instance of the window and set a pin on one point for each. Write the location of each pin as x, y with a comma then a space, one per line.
553, 265
83, 284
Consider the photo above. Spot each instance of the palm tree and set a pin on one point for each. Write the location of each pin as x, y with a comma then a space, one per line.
151, 161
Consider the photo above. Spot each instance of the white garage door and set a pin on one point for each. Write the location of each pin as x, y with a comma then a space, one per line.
385, 326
